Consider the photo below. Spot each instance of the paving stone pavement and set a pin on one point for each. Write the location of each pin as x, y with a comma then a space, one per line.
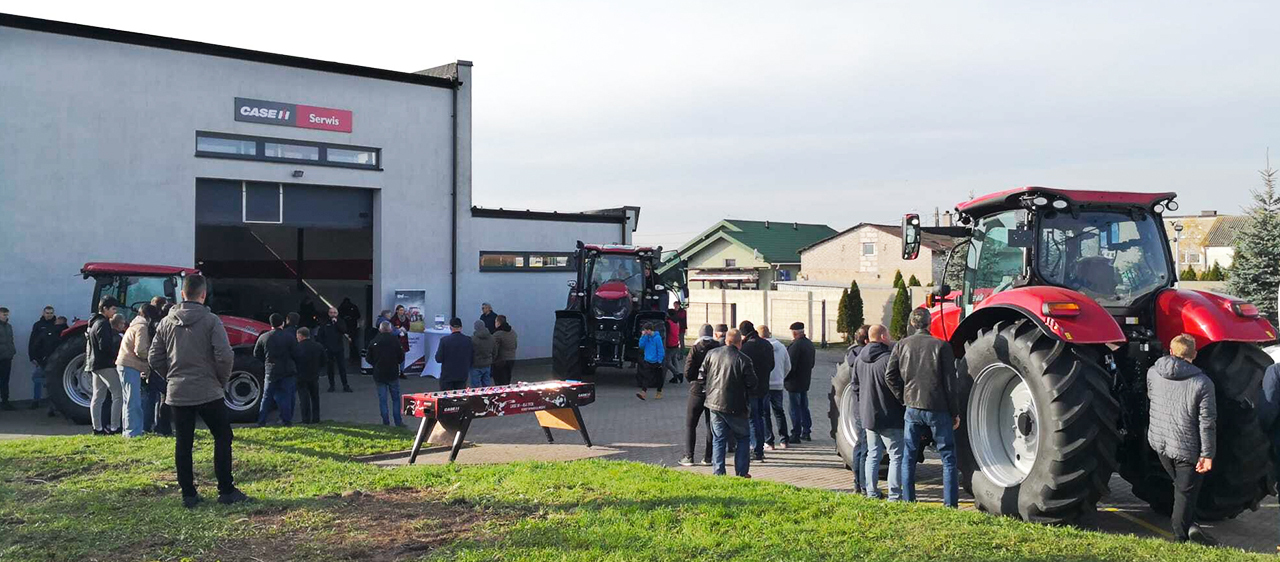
623, 427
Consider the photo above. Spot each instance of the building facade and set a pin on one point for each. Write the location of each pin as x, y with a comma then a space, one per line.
871, 254
1203, 239
741, 254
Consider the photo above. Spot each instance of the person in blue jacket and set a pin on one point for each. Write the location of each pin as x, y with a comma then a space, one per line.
649, 369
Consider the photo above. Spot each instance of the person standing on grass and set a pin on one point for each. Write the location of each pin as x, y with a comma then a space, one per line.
505, 341
454, 354
729, 378
696, 410
155, 414
781, 365
276, 349
131, 363
920, 373
761, 354
488, 317
879, 412
310, 359
191, 351
797, 382
333, 338
101, 347
1183, 431
44, 339
386, 356
483, 350
671, 352
649, 368
7, 351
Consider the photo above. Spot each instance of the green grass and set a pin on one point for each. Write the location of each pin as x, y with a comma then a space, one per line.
85, 498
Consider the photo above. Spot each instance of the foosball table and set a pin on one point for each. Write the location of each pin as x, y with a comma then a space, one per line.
554, 403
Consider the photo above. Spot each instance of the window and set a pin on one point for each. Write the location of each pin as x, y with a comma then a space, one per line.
1190, 257
1114, 258
525, 261
731, 263
993, 264
868, 248
265, 149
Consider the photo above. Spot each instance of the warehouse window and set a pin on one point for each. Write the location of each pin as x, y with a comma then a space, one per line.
525, 261
292, 151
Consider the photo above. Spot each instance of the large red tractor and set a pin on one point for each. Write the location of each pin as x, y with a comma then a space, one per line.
70, 387
616, 294
1068, 298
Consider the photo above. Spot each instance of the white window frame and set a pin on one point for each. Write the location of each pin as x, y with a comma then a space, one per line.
864, 248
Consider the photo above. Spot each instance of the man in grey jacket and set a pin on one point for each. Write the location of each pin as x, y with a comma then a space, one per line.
190, 350
1184, 416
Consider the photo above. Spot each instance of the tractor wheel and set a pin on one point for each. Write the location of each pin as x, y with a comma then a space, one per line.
847, 439
838, 383
566, 348
244, 389
68, 385
1041, 424
1239, 479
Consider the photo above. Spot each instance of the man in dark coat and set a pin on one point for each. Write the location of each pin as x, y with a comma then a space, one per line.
797, 382
333, 337
761, 353
920, 374
276, 349
880, 411
350, 315
488, 316
45, 336
696, 409
454, 355
7, 351
730, 377
310, 358
386, 356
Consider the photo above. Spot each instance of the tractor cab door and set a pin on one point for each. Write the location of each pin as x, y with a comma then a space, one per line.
997, 257
134, 291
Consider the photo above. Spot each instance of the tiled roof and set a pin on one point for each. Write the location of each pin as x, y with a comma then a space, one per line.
1223, 232
931, 240
777, 242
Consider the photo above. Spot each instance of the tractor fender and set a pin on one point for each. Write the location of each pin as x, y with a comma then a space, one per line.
577, 314
1093, 325
75, 329
1209, 317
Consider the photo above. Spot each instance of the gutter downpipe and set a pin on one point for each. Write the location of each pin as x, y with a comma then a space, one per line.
453, 212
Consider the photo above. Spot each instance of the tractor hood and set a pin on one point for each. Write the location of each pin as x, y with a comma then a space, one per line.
612, 290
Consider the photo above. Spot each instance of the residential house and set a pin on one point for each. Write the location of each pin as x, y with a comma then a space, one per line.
1203, 239
871, 254
742, 254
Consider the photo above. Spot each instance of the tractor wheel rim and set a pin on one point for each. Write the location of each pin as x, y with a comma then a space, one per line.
243, 391
848, 420
77, 382
1004, 430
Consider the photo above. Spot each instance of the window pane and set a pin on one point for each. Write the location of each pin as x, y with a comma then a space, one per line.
361, 157
226, 146
297, 152
730, 263
501, 261
546, 261
868, 248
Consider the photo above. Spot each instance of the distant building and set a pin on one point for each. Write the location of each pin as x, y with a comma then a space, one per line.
871, 253
1204, 239
741, 254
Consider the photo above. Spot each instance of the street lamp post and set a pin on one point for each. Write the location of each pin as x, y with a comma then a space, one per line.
1177, 248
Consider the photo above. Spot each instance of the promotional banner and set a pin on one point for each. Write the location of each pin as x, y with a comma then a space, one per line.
292, 115
411, 327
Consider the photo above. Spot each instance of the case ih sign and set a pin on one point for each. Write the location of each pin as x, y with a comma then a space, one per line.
293, 115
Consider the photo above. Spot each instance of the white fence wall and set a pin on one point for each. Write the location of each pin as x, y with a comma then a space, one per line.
778, 309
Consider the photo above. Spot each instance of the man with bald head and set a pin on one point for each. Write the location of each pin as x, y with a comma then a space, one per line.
332, 334
730, 377
880, 412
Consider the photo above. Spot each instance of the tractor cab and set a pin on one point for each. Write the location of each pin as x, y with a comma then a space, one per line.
133, 285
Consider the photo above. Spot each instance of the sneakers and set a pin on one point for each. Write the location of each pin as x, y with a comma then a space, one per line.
706, 461
807, 438
236, 496
747, 476
191, 501
686, 461
758, 457
643, 395
658, 396
768, 447
782, 444
1197, 535
100, 432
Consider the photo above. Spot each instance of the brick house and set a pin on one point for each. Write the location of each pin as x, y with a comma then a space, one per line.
871, 253
1204, 239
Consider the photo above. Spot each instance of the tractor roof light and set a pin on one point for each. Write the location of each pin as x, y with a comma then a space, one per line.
1159, 208
1040, 201
1244, 309
1060, 204
1171, 205
1060, 309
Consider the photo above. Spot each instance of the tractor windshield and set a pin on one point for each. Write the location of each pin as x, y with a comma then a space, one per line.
615, 267
1109, 256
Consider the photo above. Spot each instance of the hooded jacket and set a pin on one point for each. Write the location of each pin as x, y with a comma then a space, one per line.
803, 356
1184, 413
693, 363
135, 346
101, 345
190, 350
781, 364
761, 354
505, 340
730, 377
483, 347
878, 408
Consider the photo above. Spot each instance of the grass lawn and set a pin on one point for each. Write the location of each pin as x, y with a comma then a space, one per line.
87, 498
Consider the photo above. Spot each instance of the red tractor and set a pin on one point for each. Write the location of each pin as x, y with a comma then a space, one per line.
134, 285
1068, 298
616, 294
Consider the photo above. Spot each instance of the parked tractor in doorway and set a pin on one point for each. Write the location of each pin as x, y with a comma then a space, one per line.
615, 295
70, 387
1068, 298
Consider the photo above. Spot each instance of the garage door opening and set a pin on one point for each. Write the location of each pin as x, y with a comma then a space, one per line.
273, 247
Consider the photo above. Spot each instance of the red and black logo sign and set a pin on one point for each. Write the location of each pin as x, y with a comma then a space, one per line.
292, 115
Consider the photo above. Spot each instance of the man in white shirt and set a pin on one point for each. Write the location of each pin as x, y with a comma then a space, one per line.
781, 364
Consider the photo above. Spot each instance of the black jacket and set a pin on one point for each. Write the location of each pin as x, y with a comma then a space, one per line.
101, 344
330, 335
310, 359
852, 353
276, 349
730, 377
921, 373
386, 355
760, 351
878, 408
45, 336
802, 359
454, 356
489, 321
693, 364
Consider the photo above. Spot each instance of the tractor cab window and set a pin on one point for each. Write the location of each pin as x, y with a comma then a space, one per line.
1109, 256
609, 267
993, 264
133, 292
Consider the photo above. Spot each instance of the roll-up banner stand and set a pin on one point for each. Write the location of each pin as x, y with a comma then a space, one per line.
413, 301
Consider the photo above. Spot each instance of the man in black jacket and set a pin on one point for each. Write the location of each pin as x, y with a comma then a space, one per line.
730, 378
310, 358
45, 336
880, 411
696, 409
761, 353
276, 349
920, 373
333, 336
386, 355
101, 347
454, 354
797, 382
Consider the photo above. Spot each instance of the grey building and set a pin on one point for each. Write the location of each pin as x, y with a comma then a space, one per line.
279, 177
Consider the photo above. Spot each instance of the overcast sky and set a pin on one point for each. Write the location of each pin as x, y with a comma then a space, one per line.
832, 112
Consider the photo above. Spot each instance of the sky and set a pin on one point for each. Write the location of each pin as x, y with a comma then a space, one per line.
816, 112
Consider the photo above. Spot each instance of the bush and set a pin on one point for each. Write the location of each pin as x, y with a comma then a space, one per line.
1213, 273
1188, 274
897, 279
901, 310
842, 315
853, 309
913, 282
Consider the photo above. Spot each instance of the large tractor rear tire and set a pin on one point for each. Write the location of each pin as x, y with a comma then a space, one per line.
1041, 424
566, 349
244, 389
67, 384
1239, 479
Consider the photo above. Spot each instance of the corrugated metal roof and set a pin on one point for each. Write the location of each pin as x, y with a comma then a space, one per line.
1224, 230
778, 242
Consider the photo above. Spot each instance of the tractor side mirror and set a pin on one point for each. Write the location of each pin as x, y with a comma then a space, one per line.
910, 236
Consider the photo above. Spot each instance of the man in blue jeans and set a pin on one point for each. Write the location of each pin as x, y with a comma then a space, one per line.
761, 354
921, 373
386, 354
276, 349
880, 412
730, 377
797, 382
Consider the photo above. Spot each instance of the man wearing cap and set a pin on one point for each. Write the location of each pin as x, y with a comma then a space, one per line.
454, 355
797, 382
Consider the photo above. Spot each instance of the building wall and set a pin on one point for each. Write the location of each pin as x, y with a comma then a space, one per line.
1190, 243
840, 260
1222, 255
794, 303
713, 256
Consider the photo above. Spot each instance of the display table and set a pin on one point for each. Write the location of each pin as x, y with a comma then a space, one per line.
429, 345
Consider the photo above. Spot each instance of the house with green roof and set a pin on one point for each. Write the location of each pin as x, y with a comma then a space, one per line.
742, 254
